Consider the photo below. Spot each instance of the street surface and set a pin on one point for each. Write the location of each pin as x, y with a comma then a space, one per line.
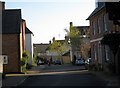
63, 75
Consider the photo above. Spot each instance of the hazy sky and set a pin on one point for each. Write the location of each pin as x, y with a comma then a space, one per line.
48, 18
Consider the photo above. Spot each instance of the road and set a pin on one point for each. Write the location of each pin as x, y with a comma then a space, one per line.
59, 76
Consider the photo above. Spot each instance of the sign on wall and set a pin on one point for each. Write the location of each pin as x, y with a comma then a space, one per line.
3, 59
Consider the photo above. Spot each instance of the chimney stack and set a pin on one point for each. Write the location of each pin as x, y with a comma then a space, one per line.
71, 26
2, 5
50, 42
53, 39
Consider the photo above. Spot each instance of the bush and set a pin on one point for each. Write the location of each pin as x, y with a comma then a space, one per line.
25, 60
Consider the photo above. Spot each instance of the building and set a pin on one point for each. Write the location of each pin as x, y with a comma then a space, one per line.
29, 44
100, 25
58, 50
13, 39
66, 57
80, 45
40, 50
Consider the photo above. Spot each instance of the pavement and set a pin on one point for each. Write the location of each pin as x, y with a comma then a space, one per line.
17, 79
13, 80
113, 80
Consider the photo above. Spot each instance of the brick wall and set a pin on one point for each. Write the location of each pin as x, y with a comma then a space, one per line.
96, 38
10, 47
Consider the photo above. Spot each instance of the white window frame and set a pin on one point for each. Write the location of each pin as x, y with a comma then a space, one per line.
105, 22
95, 53
99, 53
107, 53
98, 23
94, 28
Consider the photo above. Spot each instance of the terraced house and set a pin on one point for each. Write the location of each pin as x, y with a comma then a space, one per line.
102, 23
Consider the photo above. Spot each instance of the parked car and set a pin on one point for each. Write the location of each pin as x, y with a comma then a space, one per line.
57, 62
87, 63
79, 62
39, 62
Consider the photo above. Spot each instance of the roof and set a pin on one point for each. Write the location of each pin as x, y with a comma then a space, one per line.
41, 48
27, 31
61, 41
96, 10
82, 29
66, 53
11, 20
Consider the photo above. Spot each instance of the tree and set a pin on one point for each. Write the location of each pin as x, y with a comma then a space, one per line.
59, 48
74, 36
78, 42
85, 49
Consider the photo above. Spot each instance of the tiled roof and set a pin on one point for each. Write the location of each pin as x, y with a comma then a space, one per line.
11, 20
41, 48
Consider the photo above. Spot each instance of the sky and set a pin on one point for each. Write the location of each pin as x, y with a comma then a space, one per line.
48, 18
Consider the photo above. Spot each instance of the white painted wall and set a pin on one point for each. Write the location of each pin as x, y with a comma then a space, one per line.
29, 46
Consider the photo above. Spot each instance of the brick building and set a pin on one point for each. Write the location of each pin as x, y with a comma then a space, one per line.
13, 39
100, 25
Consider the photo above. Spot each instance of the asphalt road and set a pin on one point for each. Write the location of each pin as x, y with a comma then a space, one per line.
64, 78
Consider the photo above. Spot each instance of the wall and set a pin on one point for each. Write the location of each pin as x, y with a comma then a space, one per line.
29, 46
66, 59
10, 48
95, 39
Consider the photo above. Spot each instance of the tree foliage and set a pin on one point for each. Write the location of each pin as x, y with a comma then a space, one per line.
85, 49
58, 47
55, 45
74, 36
25, 59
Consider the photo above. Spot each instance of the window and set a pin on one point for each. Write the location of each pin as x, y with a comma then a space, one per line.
98, 23
107, 53
93, 27
104, 22
99, 53
95, 53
